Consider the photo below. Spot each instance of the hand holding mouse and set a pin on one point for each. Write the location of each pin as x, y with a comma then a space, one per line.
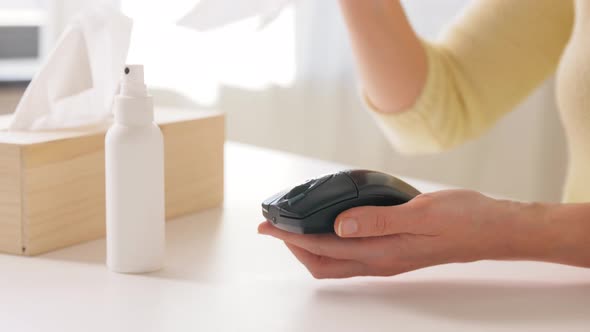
434, 228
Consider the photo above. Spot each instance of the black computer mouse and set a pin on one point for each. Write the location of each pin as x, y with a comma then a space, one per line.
312, 207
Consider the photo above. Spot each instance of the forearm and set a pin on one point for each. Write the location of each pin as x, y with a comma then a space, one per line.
558, 233
390, 58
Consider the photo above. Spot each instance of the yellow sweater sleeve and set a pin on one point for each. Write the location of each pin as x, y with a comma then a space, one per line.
494, 55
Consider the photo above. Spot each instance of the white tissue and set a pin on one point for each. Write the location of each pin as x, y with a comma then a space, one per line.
210, 14
77, 82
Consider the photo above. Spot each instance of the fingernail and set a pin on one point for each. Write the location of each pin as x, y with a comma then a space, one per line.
347, 226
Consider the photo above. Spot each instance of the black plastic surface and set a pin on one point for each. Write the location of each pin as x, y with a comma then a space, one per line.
311, 207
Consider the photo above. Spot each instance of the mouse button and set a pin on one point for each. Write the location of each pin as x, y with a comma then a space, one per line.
305, 187
334, 190
402, 188
363, 177
287, 208
298, 189
320, 181
272, 199
295, 199
377, 183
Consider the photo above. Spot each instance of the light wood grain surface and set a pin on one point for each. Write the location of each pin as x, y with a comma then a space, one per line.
10, 199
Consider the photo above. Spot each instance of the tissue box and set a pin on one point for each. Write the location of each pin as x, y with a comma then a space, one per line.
52, 186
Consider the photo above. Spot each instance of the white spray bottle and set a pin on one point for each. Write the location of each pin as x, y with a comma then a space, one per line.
134, 160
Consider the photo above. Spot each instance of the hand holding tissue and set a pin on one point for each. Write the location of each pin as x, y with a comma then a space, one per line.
211, 14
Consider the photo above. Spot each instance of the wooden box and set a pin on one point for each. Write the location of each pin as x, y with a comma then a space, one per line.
52, 186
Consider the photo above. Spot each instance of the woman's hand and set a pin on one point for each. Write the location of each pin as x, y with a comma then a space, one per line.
434, 228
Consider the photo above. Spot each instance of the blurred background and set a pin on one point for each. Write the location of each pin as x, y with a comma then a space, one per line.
292, 86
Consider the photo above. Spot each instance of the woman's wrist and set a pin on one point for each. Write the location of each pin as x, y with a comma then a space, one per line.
570, 224
528, 231
558, 233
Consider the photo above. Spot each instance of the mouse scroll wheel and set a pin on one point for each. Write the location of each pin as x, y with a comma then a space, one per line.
299, 189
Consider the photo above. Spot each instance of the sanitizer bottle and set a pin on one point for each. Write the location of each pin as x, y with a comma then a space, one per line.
134, 155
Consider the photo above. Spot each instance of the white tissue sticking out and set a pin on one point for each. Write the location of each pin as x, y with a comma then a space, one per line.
76, 84
211, 14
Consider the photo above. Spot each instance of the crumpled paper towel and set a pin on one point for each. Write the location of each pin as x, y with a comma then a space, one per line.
77, 82
211, 14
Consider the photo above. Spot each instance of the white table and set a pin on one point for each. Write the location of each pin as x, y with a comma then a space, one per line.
222, 276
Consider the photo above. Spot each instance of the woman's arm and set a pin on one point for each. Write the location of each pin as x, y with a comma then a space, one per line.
391, 60
558, 233
433, 96
452, 226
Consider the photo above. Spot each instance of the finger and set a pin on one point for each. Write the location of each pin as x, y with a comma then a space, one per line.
329, 245
322, 267
367, 221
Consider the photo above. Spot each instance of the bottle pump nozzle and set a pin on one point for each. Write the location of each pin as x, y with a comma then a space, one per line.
132, 82
133, 105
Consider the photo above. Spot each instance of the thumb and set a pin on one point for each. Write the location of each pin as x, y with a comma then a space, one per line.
366, 221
